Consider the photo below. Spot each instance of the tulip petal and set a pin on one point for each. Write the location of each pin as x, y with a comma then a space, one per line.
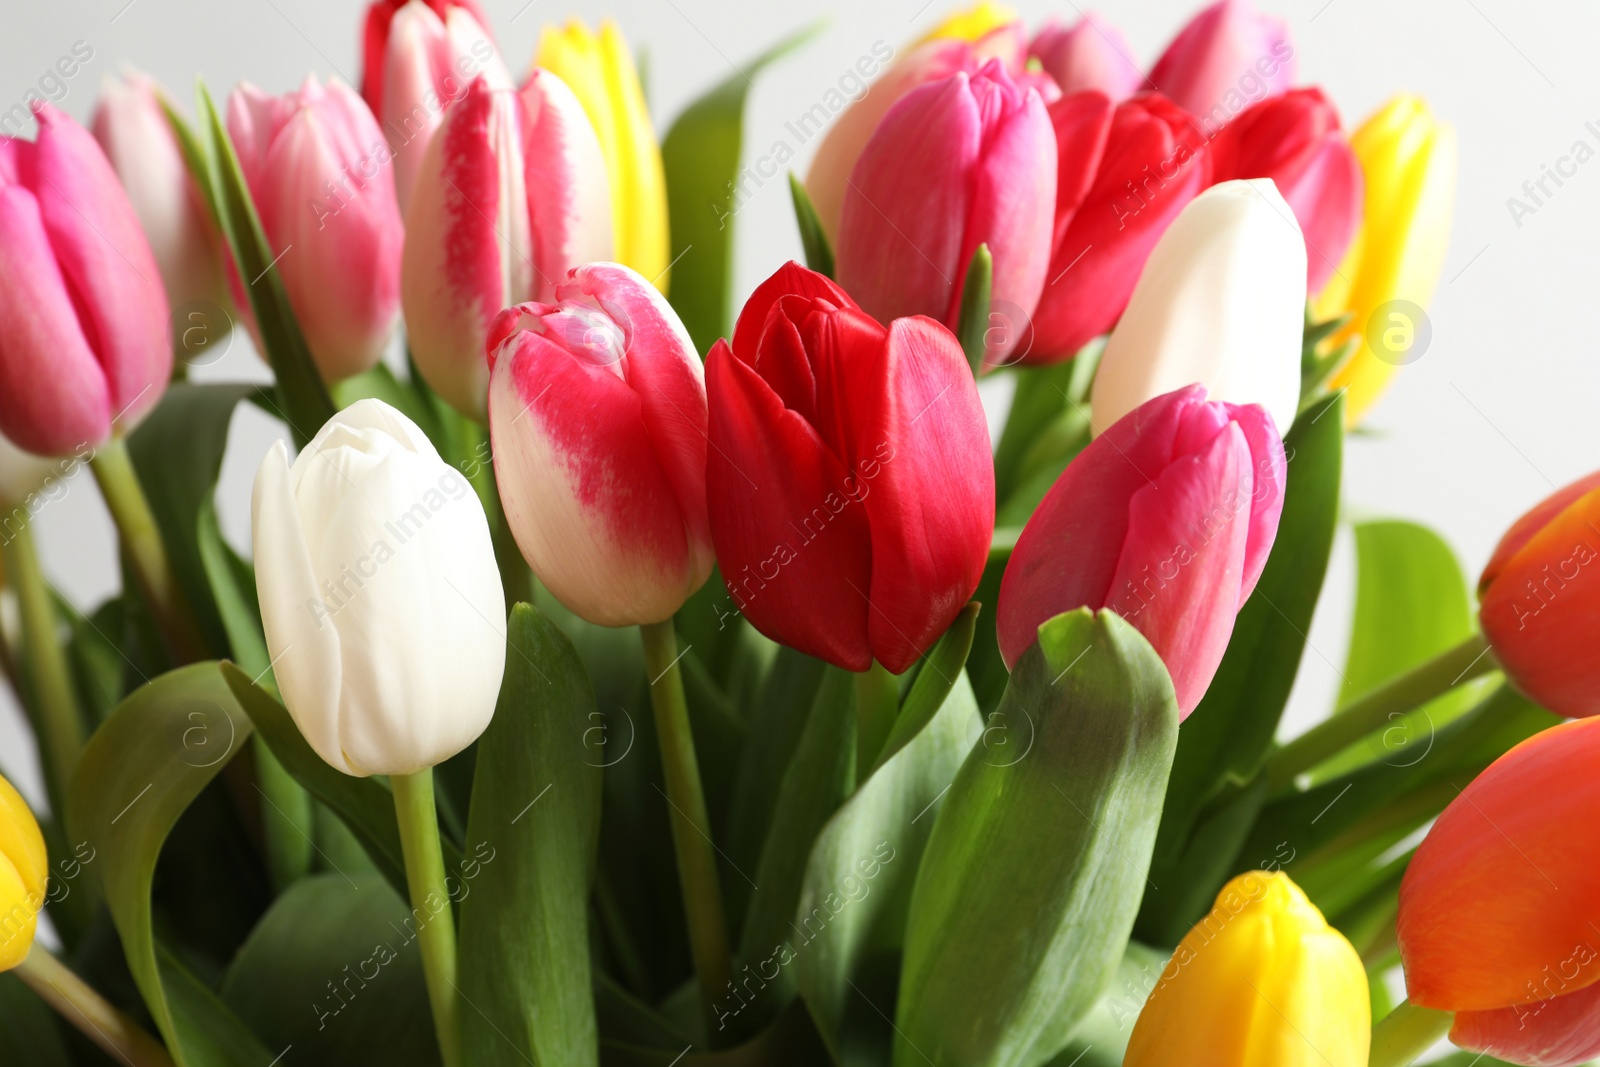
569, 202
791, 279
1529, 525
1562, 1031
1082, 123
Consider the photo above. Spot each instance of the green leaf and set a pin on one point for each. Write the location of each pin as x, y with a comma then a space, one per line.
973, 327
791, 1041
819, 257
536, 807
30, 1033
138, 774
232, 583
1101, 1039
1029, 886
940, 674
1044, 397
701, 157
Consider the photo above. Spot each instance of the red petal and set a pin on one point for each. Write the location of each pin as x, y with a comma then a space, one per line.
1559, 1032
789, 279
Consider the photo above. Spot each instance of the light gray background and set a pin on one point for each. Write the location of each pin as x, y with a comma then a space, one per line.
1498, 412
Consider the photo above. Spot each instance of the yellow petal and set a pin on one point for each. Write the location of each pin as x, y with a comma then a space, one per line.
972, 23
24, 870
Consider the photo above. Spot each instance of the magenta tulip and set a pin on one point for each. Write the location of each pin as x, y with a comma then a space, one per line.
965, 161
1228, 57
1093, 54
85, 346
511, 196
1167, 519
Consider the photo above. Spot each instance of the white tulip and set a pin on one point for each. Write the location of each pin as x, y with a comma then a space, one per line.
1221, 302
380, 596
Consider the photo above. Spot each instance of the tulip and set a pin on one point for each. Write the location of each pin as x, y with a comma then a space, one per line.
1167, 519
133, 130
85, 349
957, 163
850, 482
597, 415
1221, 302
379, 594
1093, 54
1228, 56
512, 195
1125, 171
1262, 981
1499, 905
378, 30
431, 54
600, 71
973, 23
24, 871
1408, 162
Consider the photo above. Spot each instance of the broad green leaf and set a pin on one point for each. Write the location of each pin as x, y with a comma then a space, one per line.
233, 589
536, 808
973, 328
819, 256
1029, 886
940, 674
333, 971
705, 193
138, 774
380, 383
30, 1032
1101, 1039
791, 1041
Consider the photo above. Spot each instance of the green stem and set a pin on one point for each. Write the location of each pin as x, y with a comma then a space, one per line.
141, 540
1467, 660
430, 903
77, 1002
691, 826
877, 704
1406, 1033
56, 716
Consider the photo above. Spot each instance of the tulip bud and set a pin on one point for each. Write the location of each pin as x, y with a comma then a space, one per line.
1167, 519
380, 596
1092, 55
85, 347
1262, 981
1498, 906
24, 873
379, 28
1221, 302
1295, 140
511, 196
1408, 164
965, 161
1227, 57
20, 474
973, 23
600, 72
597, 414
850, 481
137, 139
1124, 173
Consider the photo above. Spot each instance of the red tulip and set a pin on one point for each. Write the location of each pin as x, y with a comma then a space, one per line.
1167, 519
1125, 171
85, 347
957, 163
1500, 905
1295, 140
1227, 57
850, 482
1092, 55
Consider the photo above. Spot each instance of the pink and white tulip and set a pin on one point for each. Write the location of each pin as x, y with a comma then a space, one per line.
1228, 57
1093, 54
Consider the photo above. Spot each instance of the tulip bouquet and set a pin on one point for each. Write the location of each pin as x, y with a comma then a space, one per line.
618, 676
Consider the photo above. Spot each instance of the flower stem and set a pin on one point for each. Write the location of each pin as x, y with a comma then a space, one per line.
691, 826
141, 540
1467, 660
1406, 1033
430, 903
77, 1002
56, 715
877, 704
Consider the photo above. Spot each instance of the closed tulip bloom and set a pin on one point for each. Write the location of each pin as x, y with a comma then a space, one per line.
1498, 906
137, 138
1167, 519
965, 161
85, 348
1093, 54
512, 195
1228, 57
317, 168
1221, 302
1262, 981
972, 23
379, 593
24, 872
377, 30
1408, 164
600, 71
597, 414
1124, 172
850, 481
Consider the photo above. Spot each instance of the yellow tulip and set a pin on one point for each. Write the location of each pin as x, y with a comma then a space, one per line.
1262, 981
973, 23
24, 869
600, 71
1408, 159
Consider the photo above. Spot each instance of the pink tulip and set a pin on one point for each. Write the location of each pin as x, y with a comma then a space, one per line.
1228, 57
965, 161
318, 171
597, 416
511, 196
85, 347
1167, 519
377, 30
1092, 55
